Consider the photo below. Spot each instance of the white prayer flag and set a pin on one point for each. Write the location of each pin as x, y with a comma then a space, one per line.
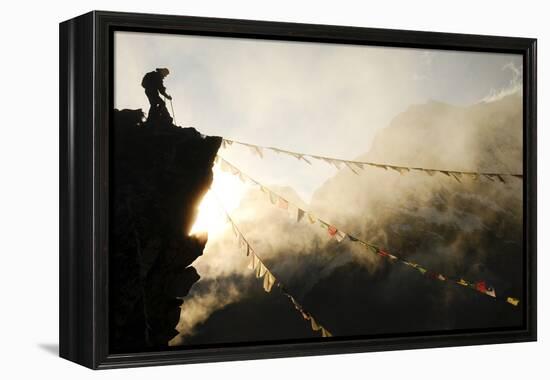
350, 167
253, 262
340, 236
293, 212
224, 166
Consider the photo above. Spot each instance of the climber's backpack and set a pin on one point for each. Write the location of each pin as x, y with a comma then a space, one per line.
149, 80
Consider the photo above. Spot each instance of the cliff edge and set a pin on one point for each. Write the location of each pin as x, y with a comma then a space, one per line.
159, 174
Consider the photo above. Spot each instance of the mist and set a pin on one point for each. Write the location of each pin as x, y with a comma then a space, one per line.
469, 229
411, 107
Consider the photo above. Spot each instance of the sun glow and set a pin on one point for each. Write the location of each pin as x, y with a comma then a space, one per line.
228, 191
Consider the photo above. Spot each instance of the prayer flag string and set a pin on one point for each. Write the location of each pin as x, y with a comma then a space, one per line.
354, 166
297, 214
269, 280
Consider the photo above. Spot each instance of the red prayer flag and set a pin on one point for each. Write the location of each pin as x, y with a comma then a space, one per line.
383, 253
283, 204
481, 286
332, 230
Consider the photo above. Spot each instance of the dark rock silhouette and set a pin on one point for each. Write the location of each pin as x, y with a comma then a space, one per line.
153, 83
159, 174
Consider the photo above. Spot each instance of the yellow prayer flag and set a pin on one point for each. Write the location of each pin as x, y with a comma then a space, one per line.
512, 301
314, 325
262, 270
325, 333
269, 281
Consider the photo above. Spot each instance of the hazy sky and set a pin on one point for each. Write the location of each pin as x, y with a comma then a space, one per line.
318, 98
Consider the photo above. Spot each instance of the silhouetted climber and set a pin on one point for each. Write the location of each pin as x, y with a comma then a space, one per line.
154, 87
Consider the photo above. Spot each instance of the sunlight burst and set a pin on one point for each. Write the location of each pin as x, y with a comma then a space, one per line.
211, 217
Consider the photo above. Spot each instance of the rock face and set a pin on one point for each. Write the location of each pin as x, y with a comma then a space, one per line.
159, 174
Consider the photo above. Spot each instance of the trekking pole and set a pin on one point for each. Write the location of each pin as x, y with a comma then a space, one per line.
173, 114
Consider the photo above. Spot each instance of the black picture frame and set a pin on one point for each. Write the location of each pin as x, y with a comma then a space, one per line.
86, 96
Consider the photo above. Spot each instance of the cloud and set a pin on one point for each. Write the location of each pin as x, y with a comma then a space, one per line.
514, 86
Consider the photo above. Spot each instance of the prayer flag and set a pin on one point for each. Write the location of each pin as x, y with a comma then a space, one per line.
256, 150
311, 218
385, 167
512, 301
382, 253
481, 287
253, 262
350, 167
325, 333
272, 198
314, 325
332, 230
421, 270
456, 176
462, 282
399, 169
260, 269
224, 166
491, 292
340, 236
440, 277
430, 172
300, 214
269, 281
283, 203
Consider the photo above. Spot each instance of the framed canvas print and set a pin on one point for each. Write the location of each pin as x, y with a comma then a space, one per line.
241, 189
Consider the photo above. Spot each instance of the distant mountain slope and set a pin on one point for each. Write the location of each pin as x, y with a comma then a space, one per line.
471, 229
